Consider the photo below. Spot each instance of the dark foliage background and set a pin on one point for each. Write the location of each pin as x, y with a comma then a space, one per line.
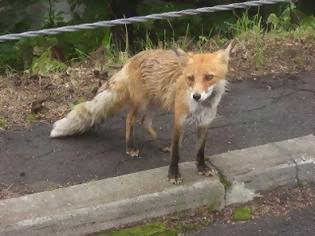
19, 16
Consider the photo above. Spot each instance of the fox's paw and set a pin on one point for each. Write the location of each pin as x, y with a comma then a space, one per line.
174, 176
175, 180
203, 169
166, 149
133, 152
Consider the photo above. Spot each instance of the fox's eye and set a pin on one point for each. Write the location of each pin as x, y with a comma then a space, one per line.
208, 77
191, 78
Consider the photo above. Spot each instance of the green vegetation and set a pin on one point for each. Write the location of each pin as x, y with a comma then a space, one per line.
78, 101
156, 229
251, 28
241, 214
3, 122
45, 64
30, 118
49, 54
227, 184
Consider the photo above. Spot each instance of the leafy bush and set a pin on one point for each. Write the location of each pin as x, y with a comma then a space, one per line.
44, 64
17, 16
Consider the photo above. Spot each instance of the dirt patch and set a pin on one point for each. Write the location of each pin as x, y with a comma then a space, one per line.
273, 56
11, 191
277, 202
26, 98
272, 203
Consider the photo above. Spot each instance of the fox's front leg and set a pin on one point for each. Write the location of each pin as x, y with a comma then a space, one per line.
174, 175
202, 168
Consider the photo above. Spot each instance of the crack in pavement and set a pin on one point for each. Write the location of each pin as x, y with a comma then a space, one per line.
298, 181
293, 162
274, 101
236, 123
308, 90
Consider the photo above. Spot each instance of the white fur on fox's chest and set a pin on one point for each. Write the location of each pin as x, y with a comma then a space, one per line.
203, 115
199, 115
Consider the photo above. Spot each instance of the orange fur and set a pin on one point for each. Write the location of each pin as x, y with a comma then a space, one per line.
187, 84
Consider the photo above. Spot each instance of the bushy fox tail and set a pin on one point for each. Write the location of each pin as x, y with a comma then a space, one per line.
86, 114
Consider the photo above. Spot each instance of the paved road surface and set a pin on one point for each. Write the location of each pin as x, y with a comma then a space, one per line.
252, 113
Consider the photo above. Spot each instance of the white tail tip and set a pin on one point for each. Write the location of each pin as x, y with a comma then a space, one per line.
59, 129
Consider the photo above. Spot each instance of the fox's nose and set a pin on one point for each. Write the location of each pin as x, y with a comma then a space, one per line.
196, 96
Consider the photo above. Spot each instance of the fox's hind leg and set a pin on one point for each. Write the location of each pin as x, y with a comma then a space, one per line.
146, 121
131, 150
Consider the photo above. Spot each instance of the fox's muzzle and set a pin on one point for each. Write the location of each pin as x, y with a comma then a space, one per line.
196, 96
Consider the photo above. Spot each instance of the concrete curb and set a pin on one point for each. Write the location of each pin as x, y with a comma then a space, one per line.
109, 203
271, 165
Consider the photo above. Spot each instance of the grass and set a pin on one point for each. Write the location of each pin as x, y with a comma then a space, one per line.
242, 214
44, 64
30, 118
3, 122
250, 29
154, 229
7, 70
245, 29
227, 184
76, 102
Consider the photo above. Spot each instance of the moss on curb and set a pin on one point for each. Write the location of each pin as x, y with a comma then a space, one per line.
227, 184
241, 214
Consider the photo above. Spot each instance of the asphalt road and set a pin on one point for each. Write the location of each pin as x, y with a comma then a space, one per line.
253, 112
296, 223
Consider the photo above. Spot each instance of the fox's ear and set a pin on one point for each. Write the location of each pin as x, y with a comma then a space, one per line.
181, 56
225, 53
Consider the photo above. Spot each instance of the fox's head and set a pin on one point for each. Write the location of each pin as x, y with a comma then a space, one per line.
202, 71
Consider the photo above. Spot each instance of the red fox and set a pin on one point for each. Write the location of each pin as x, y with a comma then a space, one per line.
188, 84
